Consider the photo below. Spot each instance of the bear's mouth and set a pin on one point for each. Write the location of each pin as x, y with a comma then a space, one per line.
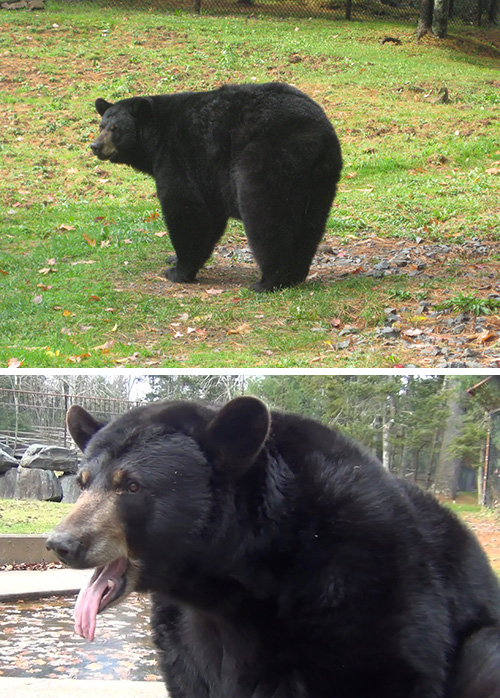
107, 586
108, 155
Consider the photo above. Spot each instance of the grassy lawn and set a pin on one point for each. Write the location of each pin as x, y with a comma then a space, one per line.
30, 516
83, 244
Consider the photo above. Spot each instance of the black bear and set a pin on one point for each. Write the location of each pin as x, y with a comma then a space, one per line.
282, 559
265, 154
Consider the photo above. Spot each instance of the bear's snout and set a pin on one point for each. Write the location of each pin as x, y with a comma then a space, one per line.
95, 147
67, 547
103, 146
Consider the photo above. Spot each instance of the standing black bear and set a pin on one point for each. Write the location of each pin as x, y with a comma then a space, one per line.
283, 561
265, 154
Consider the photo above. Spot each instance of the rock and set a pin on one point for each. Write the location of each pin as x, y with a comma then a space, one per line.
36, 5
50, 458
15, 5
8, 482
348, 329
381, 266
70, 489
443, 96
38, 484
400, 260
388, 332
7, 460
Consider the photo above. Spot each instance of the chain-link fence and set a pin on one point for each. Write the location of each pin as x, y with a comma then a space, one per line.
473, 12
29, 416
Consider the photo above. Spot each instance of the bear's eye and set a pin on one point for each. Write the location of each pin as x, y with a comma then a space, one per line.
133, 486
113, 128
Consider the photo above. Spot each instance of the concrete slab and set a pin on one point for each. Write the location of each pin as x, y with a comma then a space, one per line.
24, 548
65, 688
25, 584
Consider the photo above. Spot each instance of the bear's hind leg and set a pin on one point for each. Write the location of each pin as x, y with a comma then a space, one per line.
284, 234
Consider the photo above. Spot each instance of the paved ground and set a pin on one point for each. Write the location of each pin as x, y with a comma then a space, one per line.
69, 688
63, 582
27, 584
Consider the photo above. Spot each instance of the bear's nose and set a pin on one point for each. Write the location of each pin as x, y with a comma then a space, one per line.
67, 547
95, 147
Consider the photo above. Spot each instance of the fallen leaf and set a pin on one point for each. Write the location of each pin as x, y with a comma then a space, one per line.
413, 332
37, 300
66, 227
487, 336
67, 313
84, 261
214, 291
94, 298
161, 233
14, 363
106, 346
47, 270
3, 272
44, 287
89, 240
493, 170
241, 329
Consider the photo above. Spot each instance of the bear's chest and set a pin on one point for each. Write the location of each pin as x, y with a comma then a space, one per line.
224, 655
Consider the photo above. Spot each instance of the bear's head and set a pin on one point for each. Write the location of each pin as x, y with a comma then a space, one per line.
118, 137
151, 480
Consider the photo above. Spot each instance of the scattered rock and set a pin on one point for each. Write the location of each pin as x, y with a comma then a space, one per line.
388, 332
70, 488
443, 96
7, 460
8, 484
50, 458
38, 484
21, 5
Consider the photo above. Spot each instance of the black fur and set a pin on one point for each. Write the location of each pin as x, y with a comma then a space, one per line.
265, 154
284, 562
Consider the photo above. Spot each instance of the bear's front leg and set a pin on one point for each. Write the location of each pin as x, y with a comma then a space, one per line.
194, 230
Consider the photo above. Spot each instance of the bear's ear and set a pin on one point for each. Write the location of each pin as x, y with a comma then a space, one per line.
238, 433
142, 107
81, 425
102, 106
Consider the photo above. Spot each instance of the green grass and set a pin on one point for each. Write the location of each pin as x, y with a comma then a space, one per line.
80, 258
30, 516
470, 304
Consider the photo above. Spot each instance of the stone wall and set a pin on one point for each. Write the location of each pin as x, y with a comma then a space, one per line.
45, 473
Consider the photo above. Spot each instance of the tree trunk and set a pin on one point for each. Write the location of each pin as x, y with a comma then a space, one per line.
389, 413
425, 21
440, 18
493, 12
446, 478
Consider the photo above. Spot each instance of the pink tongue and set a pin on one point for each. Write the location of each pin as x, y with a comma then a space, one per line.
90, 599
